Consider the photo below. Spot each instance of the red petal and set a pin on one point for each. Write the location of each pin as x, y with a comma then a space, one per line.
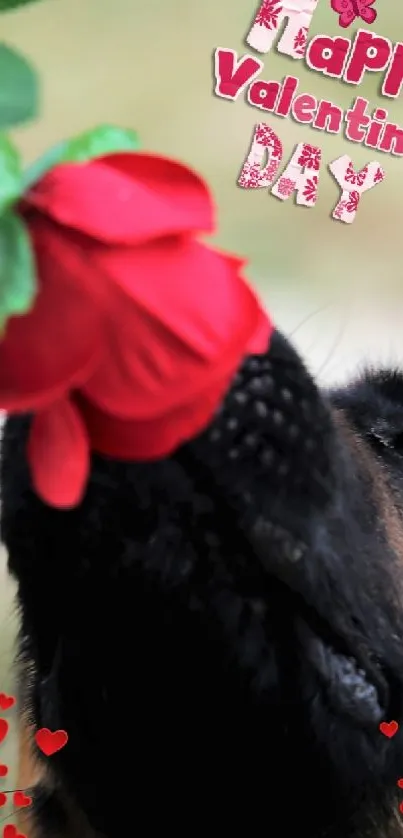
186, 320
56, 345
125, 198
151, 439
259, 340
58, 453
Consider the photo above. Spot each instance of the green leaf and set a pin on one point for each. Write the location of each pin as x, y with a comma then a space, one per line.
11, 186
19, 89
48, 160
8, 5
18, 283
106, 139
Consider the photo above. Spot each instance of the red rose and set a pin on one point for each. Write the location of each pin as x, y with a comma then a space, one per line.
137, 328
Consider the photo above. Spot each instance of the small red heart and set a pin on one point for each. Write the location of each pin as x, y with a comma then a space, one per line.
49, 742
3, 770
21, 799
400, 783
389, 728
3, 799
401, 807
3, 729
6, 701
10, 831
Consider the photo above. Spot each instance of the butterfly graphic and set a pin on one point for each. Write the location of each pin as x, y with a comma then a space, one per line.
349, 10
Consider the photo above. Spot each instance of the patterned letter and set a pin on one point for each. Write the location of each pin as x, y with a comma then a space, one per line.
269, 19
353, 184
253, 176
301, 175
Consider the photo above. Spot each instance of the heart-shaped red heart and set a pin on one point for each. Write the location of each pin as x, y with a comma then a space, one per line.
10, 831
21, 799
49, 742
401, 807
6, 701
3, 770
389, 728
3, 799
3, 729
400, 783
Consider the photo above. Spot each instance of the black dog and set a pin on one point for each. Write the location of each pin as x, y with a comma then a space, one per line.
221, 632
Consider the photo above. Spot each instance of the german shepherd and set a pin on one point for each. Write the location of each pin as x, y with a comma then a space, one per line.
220, 632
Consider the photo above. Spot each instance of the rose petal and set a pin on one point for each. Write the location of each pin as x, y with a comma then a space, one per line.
56, 344
185, 321
151, 439
125, 198
58, 453
259, 339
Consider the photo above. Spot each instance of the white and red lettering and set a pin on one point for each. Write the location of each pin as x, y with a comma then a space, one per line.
264, 142
232, 75
301, 176
269, 20
353, 185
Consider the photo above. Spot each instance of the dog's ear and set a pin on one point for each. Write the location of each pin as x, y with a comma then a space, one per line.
374, 406
387, 435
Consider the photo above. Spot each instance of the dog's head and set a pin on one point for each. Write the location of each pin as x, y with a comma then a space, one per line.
221, 632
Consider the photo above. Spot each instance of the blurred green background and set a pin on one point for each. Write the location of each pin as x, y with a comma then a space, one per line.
147, 64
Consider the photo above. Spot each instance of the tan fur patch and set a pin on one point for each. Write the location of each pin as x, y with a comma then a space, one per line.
30, 772
388, 514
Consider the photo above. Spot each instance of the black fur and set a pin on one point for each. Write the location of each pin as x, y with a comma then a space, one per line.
172, 618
